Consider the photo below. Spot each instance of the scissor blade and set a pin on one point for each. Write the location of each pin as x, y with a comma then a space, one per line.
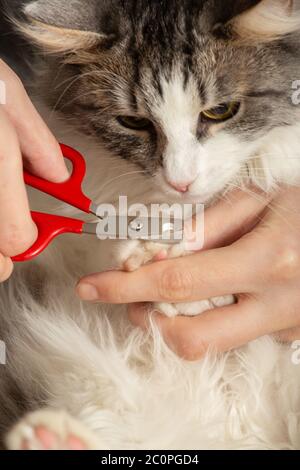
168, 230
162, 229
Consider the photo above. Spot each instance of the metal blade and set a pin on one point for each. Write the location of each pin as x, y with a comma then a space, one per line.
168, 230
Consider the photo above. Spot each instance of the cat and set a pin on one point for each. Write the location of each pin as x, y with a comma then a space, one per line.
169, 101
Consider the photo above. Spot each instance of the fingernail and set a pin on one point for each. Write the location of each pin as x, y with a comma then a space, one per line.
87, 292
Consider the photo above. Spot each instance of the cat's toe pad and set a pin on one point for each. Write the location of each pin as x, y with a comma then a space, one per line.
140, 257
137, 254
41, 438
50, 430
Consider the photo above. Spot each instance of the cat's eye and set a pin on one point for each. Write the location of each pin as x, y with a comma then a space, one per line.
135, 123
222, 112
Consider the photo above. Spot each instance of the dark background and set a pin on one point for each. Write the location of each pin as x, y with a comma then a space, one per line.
13, 49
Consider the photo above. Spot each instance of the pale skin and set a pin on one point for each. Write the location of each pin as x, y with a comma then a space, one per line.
255, 254
24, 140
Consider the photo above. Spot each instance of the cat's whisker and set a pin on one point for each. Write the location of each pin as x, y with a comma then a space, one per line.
273, 155
253, 169
121, 176
79, 77
84, 95
69, 79
258, 196
59, 84
225, 198
275, 207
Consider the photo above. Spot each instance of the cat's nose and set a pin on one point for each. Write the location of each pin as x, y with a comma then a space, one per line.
181, 188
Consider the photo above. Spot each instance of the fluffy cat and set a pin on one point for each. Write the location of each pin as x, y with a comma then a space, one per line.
169, 101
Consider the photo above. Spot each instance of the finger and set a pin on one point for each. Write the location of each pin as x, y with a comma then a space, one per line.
17, 231
218, 330
6, 268
37, 143
233, 217
236, 269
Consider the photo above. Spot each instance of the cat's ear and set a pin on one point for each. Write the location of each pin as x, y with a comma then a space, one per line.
61, 26
268, 20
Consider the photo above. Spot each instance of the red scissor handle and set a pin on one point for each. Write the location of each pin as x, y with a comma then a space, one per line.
49, 227
71, 190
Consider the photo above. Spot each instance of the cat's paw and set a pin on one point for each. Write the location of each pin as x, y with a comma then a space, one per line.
192, 309
51, 430
134, 254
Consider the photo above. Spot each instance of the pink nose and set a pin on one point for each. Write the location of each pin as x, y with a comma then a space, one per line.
181, 188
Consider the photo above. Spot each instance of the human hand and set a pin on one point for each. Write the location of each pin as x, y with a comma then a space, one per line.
259, 263
23, 134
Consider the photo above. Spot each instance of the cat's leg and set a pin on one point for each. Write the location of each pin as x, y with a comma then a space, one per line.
49, 429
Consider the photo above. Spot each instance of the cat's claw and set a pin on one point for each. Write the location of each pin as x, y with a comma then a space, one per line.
146, 252
194, 308
51, 430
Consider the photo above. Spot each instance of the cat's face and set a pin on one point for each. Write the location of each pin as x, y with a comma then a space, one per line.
165, 85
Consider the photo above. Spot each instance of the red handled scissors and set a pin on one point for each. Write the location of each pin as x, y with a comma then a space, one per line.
49, 226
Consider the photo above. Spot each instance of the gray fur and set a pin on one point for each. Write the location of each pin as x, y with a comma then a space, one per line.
74, 14
148, 40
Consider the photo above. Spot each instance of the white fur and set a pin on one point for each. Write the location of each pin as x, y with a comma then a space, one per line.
178, 114
122, 384
134, 394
